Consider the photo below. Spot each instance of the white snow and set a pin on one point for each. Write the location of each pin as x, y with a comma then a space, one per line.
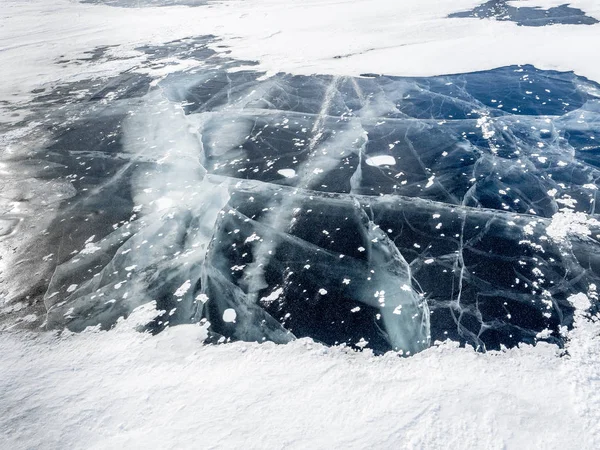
182, 290
381, 160
567, 222
287, 173
122, 389
580, 301
202, 298
272, 296
346, 37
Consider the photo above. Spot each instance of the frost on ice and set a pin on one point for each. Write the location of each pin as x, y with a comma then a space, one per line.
390, 212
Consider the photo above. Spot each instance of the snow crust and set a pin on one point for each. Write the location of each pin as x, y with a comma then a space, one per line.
126, 389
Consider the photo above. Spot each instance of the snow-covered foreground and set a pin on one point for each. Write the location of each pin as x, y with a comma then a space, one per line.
123, 389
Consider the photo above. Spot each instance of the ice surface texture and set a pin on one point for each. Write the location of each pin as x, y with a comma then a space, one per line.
146, 3
528, 16
375, 211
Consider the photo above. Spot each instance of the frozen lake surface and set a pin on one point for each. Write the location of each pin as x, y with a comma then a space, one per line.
183, 188
372, 211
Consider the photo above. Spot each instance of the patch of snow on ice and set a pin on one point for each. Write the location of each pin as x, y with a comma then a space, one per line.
287, 173
181, 291
381, 160
567, 222
229, 315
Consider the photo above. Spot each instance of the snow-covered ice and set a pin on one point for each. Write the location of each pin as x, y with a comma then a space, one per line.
361, 180
124, 389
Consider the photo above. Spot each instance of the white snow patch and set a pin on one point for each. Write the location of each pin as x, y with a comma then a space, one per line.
202, 298
148, 391
430, 182
347, 37
567, 201
381, 160
287, 173
181, 291
272, 296
89, 249
567, 222
253, 237
229, 315
580, 301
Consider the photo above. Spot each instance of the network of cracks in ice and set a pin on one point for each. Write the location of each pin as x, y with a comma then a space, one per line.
375, 211
528, 16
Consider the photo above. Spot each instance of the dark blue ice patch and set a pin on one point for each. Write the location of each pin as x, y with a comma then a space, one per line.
528, 16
